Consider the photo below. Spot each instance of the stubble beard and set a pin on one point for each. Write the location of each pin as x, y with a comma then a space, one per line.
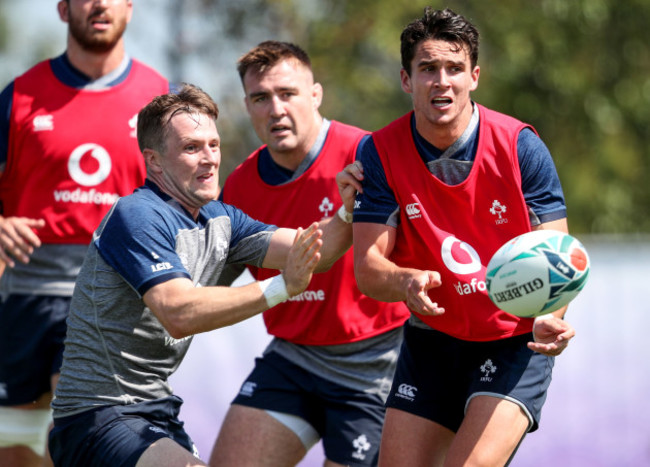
93, 41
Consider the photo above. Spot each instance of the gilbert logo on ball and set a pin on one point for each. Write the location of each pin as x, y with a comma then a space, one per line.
537, 272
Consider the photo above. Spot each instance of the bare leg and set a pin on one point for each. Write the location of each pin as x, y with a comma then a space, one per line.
168, 452
411, 440
250, 437
490, 433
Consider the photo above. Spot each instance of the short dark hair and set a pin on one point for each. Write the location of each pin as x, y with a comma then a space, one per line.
442, 25
267, 54
154, 118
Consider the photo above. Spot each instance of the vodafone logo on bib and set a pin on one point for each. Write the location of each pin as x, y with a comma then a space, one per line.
102, 159
88, 165
462, 259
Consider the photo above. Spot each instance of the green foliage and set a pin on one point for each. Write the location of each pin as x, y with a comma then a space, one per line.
578, 71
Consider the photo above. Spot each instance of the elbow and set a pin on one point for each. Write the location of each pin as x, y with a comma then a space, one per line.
362, 275
178, 332
175, 323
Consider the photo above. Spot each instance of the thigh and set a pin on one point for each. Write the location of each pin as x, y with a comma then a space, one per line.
167, 452
413, 441
251, 437
32, 331
490, 433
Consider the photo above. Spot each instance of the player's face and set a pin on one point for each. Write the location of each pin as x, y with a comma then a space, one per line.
283, 106
440, 83
189, 169
96, 25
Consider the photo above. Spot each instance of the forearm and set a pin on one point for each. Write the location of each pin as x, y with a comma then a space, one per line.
185, 310
381, 279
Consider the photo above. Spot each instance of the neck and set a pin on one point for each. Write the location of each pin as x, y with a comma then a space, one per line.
289, 160
443, 136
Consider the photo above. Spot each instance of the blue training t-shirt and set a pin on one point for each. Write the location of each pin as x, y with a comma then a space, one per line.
116, 350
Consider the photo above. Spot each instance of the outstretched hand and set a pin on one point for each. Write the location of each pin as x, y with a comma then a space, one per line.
302, 259
552, 335
417, 298
17, 238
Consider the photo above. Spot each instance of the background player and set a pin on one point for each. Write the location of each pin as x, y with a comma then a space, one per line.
469, 383
327, 370
68, 149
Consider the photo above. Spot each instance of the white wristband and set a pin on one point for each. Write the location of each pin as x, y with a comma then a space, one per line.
345, 215
274, 290
543, 317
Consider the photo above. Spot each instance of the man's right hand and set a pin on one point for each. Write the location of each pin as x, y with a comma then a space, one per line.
17, 238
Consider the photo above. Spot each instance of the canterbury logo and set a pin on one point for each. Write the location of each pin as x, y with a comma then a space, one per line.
413, 210
406, 391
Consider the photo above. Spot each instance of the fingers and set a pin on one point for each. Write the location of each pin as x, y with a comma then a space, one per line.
350, 177
356, 170
417, 297
303, 258
18, 239
551, 336
551, 350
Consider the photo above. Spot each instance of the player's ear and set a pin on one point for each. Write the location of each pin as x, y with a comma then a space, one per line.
63, 9
129, 14
317, 95
405, 80
475, 74
152, 160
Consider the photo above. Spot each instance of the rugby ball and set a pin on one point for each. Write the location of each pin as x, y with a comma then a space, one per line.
537, 272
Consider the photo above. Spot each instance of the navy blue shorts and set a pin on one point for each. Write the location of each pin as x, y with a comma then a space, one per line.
116, 435
437, 375
32, 331
348, 421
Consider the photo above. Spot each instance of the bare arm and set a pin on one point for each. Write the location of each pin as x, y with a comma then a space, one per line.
380, 278
185, 310
336, 240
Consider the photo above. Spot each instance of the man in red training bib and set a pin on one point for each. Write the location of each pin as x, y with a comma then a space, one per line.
327, 371
443, 187
68, 150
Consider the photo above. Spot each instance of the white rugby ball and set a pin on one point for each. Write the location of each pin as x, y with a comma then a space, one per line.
537, 272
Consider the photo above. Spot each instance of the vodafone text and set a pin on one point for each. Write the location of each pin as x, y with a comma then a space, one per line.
466, 288
309, 296
85, 197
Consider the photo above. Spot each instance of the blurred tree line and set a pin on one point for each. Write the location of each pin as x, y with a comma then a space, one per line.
578, 71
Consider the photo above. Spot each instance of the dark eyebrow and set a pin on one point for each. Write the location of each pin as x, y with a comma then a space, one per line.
257, 94
267, 93
433, 62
